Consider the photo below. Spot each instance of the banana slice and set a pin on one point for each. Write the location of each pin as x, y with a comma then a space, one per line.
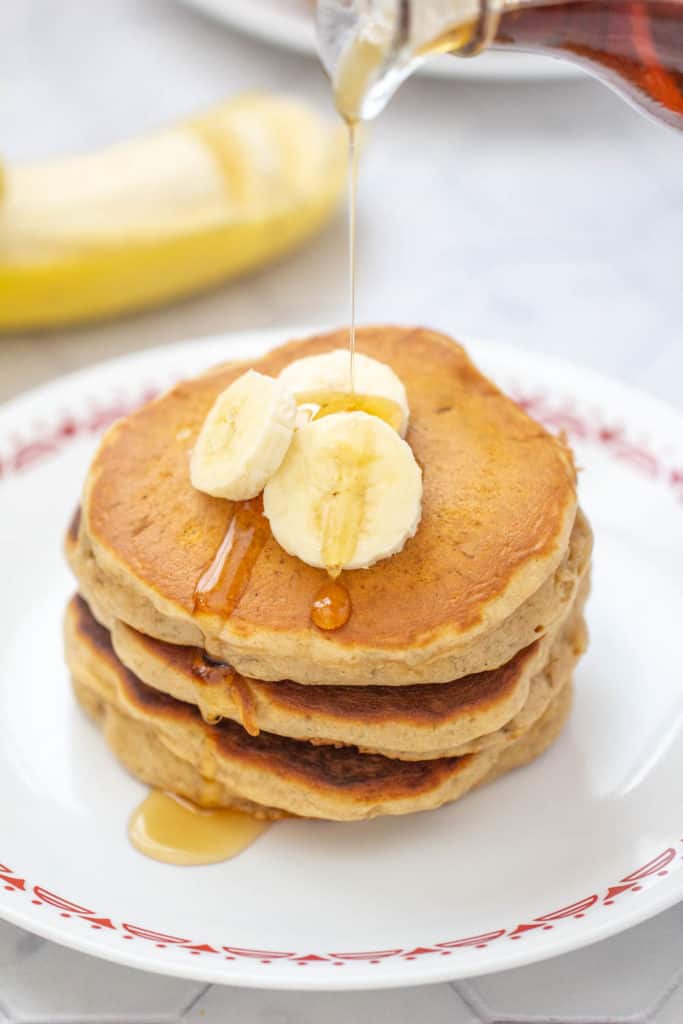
348, 493
313, 378
244, 437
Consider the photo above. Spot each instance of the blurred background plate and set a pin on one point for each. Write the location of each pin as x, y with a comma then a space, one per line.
288, 23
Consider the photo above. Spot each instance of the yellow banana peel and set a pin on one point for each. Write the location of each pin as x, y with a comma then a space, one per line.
162, 216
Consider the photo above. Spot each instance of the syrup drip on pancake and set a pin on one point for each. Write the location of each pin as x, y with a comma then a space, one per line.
244, 699
208, 670
331, 606
314, 405
170, 829
223, 582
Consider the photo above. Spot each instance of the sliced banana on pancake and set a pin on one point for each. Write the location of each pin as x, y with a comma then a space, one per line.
348, 493
376, 388
244, 437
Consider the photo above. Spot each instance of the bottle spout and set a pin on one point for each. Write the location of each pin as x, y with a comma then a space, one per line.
369, 47
364, 46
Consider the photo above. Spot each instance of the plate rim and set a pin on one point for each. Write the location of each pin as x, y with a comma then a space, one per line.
202, 970
243, 974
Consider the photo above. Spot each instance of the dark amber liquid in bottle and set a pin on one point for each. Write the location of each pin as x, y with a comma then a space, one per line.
636, 47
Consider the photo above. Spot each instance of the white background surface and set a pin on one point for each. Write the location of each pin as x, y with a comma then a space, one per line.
546, 215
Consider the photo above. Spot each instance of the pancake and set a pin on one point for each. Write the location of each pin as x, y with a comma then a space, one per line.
478, 582
409, 722
221, 765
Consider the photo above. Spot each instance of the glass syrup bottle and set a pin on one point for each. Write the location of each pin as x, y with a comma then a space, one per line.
635, 46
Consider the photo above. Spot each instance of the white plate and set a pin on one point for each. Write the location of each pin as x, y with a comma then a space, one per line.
581, 844
289, 23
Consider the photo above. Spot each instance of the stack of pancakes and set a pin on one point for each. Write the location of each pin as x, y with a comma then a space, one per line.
454, 667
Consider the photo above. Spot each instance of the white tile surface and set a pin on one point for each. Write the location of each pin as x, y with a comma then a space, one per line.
671, 1009
549, 216
40, 982
623, 979
436, 1004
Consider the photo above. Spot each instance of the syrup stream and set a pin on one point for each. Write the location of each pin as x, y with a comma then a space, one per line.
353, 194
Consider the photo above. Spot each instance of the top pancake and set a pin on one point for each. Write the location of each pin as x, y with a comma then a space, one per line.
498, 508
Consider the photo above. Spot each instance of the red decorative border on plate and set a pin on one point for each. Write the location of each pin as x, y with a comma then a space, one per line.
43, 443
24, 453
613, 438
636, 881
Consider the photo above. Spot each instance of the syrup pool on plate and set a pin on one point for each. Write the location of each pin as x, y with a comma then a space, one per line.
170, 829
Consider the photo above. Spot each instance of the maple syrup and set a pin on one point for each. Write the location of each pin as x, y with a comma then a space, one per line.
462, 39
355, 75
353, 198
635, 46
244, 698
169, 829
343, 505
224, 581
316, 404
204, 669
209, 697
350, 88
341, 515
342, 510
331, 606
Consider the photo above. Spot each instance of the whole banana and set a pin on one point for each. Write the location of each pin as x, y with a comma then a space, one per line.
159, 217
